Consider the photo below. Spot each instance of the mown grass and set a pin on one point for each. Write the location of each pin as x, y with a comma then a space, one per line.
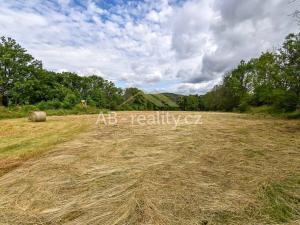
282, 200
21, 139
231, 169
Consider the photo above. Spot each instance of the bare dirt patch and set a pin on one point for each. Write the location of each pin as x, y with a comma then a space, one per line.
220, 172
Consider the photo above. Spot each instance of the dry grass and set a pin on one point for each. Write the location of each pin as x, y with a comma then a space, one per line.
21, 139
232, 169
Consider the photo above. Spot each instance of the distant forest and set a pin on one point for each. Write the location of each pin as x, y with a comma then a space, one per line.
271, 80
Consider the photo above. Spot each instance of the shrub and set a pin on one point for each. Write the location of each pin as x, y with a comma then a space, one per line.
294, 115
28, 108
245, 104
243, 107
91, 102
53, 104
285, 101
70, 101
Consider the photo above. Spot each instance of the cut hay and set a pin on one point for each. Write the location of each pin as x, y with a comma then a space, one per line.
232, 169
37, 116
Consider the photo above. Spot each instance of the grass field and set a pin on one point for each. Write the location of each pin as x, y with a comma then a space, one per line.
21, 139
231, 169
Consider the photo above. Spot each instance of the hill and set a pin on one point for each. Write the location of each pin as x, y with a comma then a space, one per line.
166, 100
142, 101
172, 96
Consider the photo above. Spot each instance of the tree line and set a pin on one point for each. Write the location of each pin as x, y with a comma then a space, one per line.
24, 81
272, 79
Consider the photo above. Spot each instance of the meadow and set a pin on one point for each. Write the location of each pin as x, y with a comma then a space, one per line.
230, 169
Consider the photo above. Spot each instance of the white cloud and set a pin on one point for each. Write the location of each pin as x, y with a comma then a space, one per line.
153, 16
155, 45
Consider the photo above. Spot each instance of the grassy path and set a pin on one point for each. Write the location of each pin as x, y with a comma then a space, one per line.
232, 169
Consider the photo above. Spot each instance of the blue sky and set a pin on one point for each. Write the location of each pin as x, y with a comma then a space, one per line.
159, 46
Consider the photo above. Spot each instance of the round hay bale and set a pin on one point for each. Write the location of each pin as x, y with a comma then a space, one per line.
37, 116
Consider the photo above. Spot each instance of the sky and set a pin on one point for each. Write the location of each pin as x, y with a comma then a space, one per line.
180, 46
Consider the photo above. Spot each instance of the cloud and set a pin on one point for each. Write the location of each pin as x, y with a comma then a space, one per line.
195, 88
191, 34
245, 29
180, 46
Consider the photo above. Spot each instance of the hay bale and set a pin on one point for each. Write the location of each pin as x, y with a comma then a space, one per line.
37, 116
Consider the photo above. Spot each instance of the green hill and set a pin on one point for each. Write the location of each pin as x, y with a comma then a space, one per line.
142, 101
166, 100
172, 96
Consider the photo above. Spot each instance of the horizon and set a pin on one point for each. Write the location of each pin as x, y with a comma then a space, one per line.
182, 47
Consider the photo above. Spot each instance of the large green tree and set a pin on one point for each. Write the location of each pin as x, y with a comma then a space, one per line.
16, 65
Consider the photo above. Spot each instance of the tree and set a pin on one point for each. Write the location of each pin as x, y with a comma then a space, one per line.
182, 102
131, 91
289, 60
265, 77
191, 103
15, 66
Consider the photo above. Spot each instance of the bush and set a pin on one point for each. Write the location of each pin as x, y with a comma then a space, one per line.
70, 101
284, 101
79, 107
54, 104
245, 104
243, 107
294, 115
28, 108
264, 109
91, 102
